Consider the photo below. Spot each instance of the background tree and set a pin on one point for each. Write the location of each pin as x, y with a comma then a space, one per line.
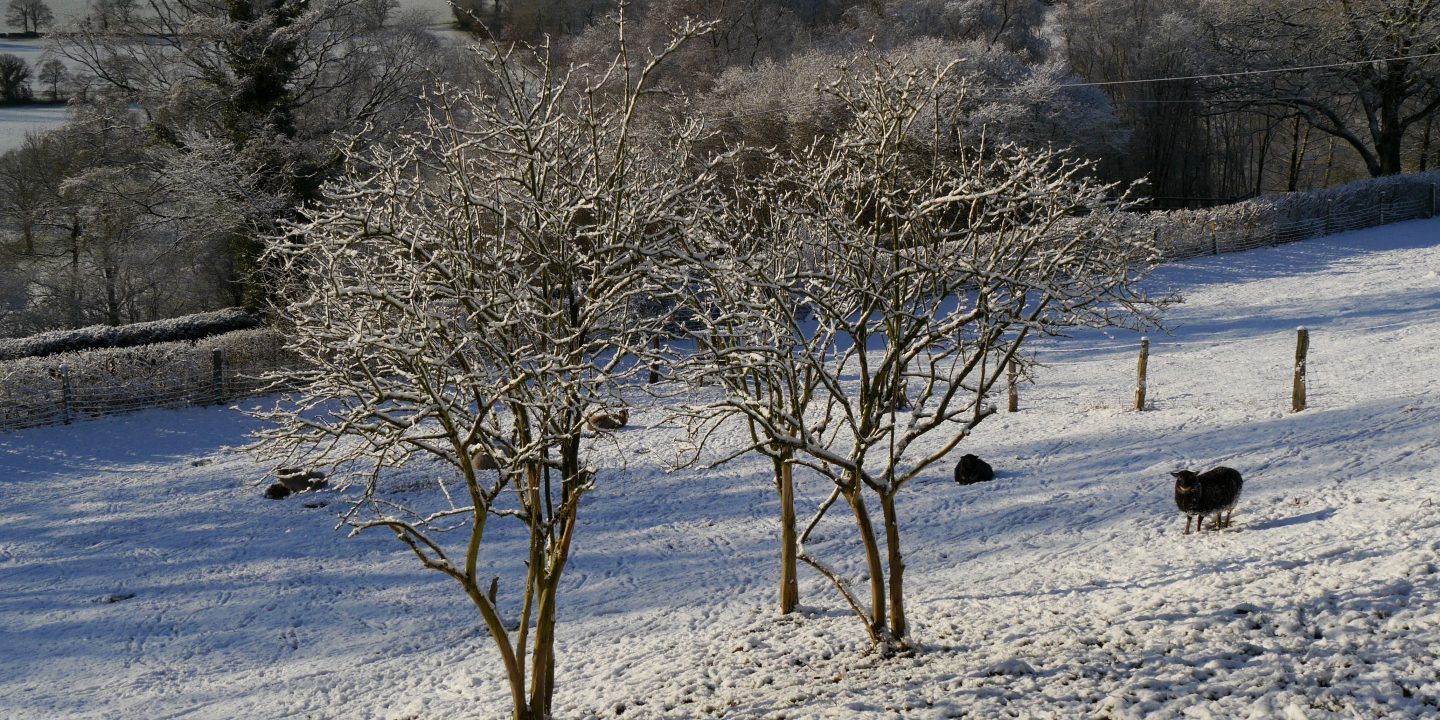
28, 15
30, 178
109, 229
473, 291
919, 266
14, 78
1187, 148
52, 72
284, 82
1373, 71
529, 19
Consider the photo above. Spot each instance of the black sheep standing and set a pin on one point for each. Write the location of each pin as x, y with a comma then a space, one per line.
1213, 492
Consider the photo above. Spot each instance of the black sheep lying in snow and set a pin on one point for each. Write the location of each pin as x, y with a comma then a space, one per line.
973, 470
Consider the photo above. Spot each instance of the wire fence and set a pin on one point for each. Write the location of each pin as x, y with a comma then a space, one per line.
1275, 371
78, 386
1181, 241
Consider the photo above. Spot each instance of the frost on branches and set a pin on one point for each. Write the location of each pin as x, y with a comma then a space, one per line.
870, 291
470, 292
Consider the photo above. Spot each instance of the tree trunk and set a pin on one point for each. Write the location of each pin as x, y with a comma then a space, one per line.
1299, 143
1264, 154
789, 584
1389, 145
1329, 164
1425, 144
513, 672
542, 688
74, 299
111, 274
899, 624
876, 569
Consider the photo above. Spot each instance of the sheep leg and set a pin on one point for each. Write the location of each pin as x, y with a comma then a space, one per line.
1217, 521
1187, 523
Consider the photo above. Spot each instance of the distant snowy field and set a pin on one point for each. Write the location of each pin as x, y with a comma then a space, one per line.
142, 575
15, 122
67, 9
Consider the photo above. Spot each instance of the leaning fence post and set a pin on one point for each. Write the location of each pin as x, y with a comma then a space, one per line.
1014, 405
67, 399
1140, 373
1214, 241
1329, 211
217, 374
1433, 193
1302, 347
1383, 198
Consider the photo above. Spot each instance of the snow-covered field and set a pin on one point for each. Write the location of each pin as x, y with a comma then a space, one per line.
142, 575
66, 10
16, 122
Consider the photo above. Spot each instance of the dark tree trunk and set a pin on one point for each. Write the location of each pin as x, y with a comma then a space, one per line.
899, 624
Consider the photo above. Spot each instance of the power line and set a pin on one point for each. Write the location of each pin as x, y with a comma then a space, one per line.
991, 94
1245, 73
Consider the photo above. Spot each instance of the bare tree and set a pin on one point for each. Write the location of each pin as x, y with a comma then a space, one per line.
52, 72
1372, 68
114, 231
468, 295
30, 177
889, 275
283, 81
28, 15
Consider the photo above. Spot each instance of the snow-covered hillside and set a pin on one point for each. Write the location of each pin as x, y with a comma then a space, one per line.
142, 575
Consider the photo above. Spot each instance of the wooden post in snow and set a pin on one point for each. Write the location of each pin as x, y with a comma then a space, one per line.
1140, 373
67, 396
1302, 348
789, 544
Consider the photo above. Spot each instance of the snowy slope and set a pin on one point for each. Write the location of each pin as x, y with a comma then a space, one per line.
143, 576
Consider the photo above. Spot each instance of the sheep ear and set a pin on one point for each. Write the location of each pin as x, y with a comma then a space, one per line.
1175, 474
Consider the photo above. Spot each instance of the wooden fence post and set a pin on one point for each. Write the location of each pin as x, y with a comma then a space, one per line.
1433, 193
789, 584
1329, 211
217, 374
1302, 348
1214, 241
1014, 405
1140, 373
67, 397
